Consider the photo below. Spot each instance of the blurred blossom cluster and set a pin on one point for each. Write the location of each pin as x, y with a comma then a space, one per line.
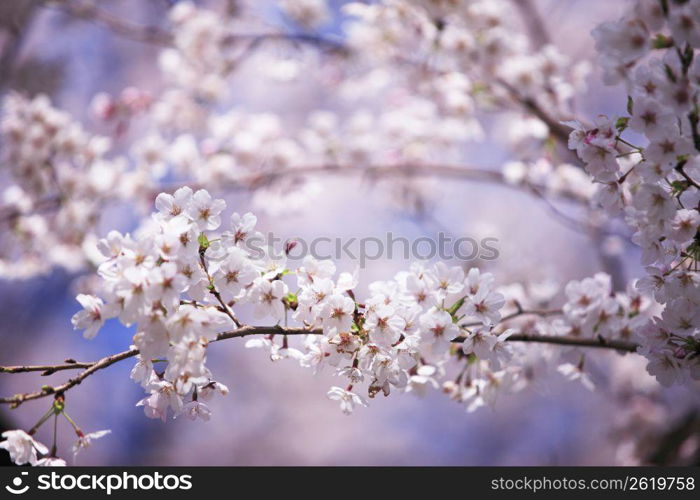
403, 95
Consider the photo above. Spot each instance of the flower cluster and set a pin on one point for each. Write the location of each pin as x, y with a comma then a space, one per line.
593, 309
656, 186
24, 449
179, 282
58, 174
480, 56
183, 283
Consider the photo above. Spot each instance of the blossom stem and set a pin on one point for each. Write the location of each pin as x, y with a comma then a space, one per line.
685, 175
627, 143
72, 423
55, 432
225, 308
520, 312
41, 421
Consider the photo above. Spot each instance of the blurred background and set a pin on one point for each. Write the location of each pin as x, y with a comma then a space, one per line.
277, 413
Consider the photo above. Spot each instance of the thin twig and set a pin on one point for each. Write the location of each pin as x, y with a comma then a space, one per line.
47, 369
522, 312
559, 131
685, 175
47, 390
224, 306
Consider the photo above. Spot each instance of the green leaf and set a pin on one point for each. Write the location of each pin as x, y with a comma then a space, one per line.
58, 406
678, 187
621, 123
203, 241
687, 57
670, 74
661, 41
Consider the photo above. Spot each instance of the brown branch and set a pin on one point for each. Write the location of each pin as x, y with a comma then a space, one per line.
600, 342
257, 39
477, 174
15, 17
245, 331
668, 450
10, 213
47, 369
559, 131
46, 390
685, 175
520, 312
427, 170
533, 22
212, 289
256, 180
88, 11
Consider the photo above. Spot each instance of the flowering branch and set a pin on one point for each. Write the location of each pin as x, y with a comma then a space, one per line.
245, 331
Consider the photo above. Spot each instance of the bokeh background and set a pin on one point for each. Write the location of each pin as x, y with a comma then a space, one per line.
277, 413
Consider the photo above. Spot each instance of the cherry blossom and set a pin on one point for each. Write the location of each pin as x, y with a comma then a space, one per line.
93, 316
22, 447
85, 440
348, 400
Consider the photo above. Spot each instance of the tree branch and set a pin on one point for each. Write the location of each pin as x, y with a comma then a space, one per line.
477, 174
559, 131
324, 43
46, 390
245, 331
600, 342
518, 313
256, 180
88, 11
47, 369
533, 22
14, 19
